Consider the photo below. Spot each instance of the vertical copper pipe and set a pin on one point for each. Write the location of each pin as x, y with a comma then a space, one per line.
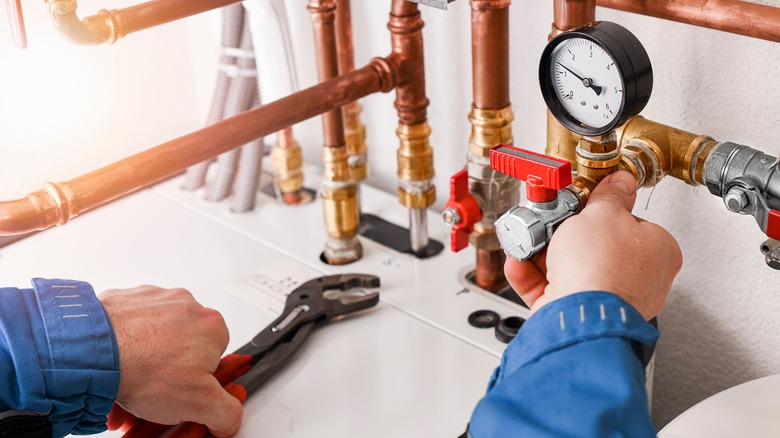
489, 51
406, 37
491, 123
323, 18
339, 192
415, 156
354, 130
740, 17
569, 14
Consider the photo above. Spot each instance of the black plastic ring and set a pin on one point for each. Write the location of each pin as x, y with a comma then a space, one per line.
508, 328
484, 319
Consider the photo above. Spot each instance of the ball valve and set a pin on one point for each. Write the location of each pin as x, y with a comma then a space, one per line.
525, 230
461, 212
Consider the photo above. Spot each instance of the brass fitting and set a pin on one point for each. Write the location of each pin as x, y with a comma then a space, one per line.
489, 128
355, 138
287, 162
342, 219
105, 27
596, 158
679, 154
335, 166
561, 143
415, 166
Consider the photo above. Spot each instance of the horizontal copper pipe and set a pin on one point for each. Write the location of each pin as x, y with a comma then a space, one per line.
57, 203
734, 16
108, 26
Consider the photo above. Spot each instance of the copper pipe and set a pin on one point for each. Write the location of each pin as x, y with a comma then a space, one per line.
489, 51
491, 123
354, 130
58, 203
108, 26
323, 18
406, 37
569, 14
415, 156
489, 273
734, 16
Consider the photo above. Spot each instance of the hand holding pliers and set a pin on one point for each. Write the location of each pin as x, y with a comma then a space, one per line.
311, 305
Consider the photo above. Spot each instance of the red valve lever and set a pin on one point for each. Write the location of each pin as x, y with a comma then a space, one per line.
543, 175
463, 211
16, 21
773, 225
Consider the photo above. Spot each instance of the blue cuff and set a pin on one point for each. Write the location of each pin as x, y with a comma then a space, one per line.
81, 367
569, 320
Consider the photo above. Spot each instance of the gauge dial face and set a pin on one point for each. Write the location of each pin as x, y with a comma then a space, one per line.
587, 82
595, 77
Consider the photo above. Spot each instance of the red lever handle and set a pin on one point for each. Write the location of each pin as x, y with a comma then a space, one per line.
544, 175
16, 22
463, 211
773, 225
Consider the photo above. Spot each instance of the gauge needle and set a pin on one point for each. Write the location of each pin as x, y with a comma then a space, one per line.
585, 81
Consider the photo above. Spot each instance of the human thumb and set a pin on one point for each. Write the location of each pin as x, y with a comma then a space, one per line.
224, 418
617, 190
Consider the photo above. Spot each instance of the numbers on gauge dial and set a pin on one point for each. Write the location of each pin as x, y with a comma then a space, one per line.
588, 83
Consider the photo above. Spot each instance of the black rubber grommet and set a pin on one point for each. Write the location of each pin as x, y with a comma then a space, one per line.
484, 319
508, 328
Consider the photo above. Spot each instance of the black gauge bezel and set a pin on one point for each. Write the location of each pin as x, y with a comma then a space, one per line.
631, 60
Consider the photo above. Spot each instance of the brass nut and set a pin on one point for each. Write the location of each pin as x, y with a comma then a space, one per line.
292, 183
561, 143
415, 156
286, 160
489, 128
340, 208
484, 237
335, 164
417, 200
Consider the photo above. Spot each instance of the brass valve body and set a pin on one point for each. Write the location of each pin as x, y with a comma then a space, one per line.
415, 166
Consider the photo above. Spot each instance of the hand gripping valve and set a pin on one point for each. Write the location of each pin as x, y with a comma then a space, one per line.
525, 230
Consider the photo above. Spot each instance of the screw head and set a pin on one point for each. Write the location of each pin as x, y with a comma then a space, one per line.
450, 216
736, 200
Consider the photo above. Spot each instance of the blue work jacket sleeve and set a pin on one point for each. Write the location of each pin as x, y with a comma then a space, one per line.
571, 371
59, 360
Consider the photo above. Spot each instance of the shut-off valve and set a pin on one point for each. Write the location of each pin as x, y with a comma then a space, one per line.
749, 183
524, 230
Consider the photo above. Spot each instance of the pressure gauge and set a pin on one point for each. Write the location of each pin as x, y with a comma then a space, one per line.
594, 78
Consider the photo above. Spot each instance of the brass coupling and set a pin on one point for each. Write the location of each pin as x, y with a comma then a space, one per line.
679, 153
415, 166
561, 143
342, 220
596, 158
335, 164
355, 139
488, 128
287, 163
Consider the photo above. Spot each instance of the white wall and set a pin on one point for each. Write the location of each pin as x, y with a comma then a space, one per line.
65, 110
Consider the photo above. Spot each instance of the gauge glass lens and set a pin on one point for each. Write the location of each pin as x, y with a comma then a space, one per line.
587, 82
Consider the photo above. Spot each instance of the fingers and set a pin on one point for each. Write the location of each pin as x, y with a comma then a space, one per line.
615, 191
527, 278
223, 418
